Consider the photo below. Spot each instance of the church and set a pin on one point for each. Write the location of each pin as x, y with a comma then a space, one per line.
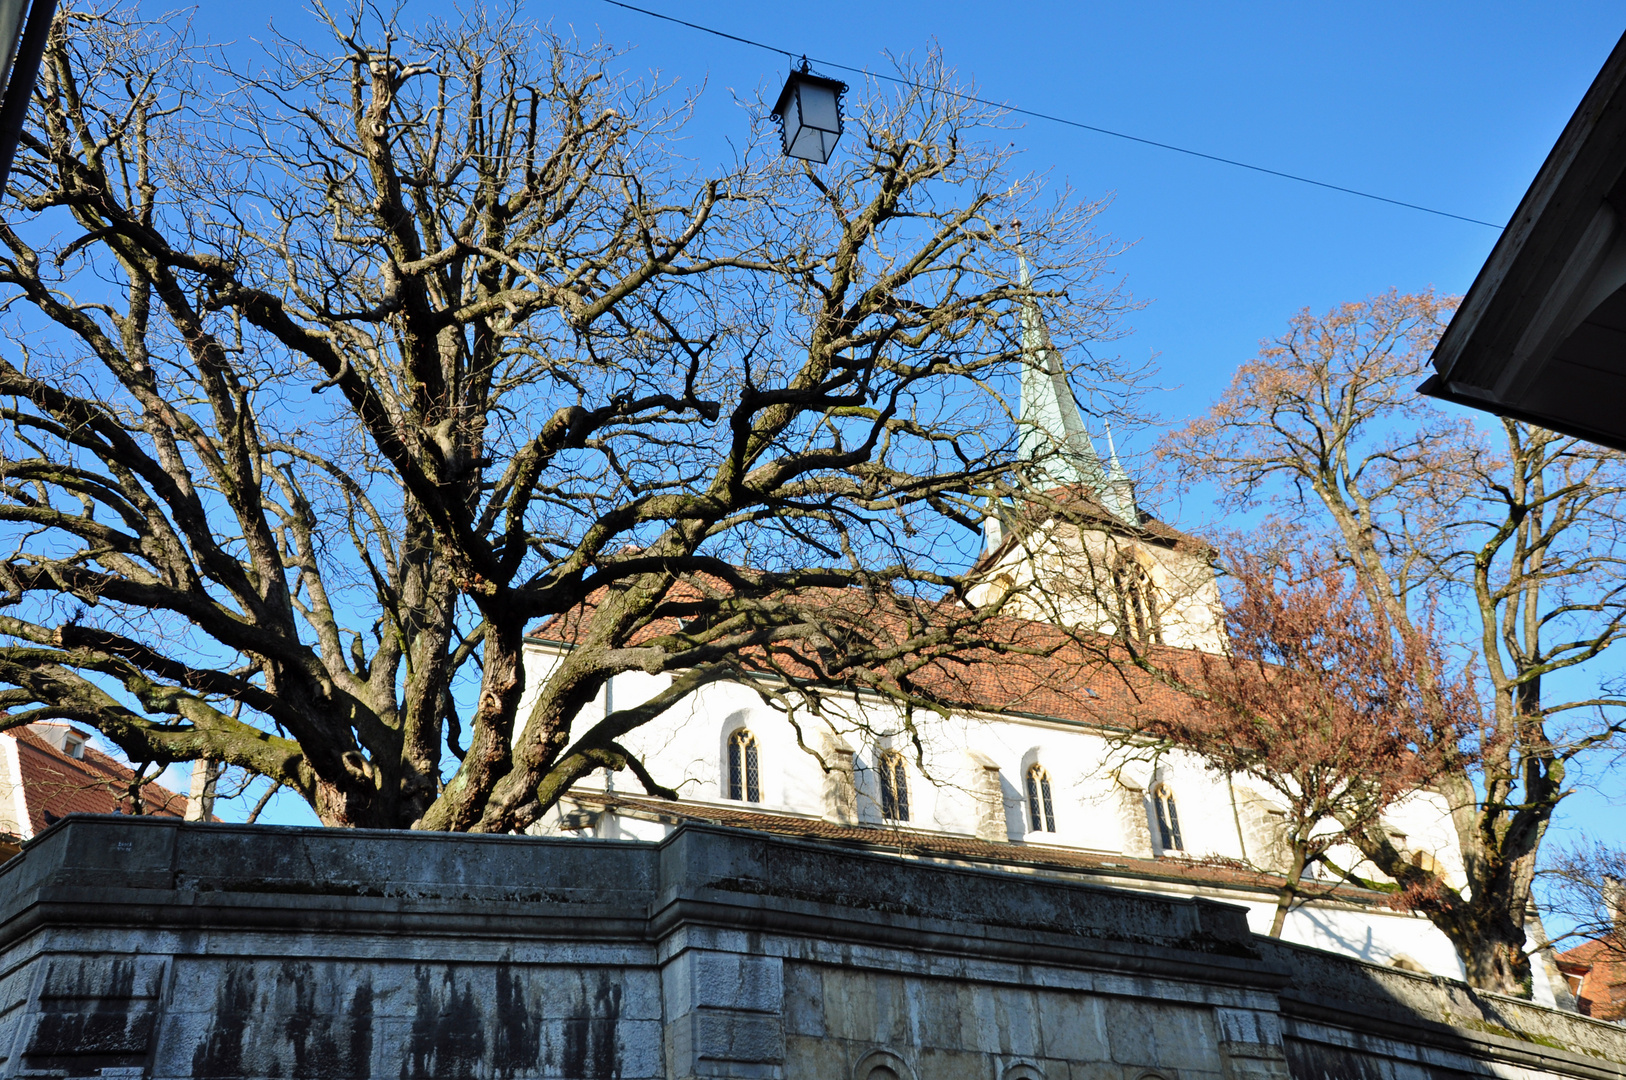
1031, 781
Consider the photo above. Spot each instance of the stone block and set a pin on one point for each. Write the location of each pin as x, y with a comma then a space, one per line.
982, 1029
1185, 1038
1249, 1026
849, 1004
706, 1036
1072, 1027
1095, 1070
696, 980
939, 1009
600, 1047
1017, 1014
1129, 1025
821, 1058
935, 1063
804, 1001
891, 1015
731, 1036
1256, 1068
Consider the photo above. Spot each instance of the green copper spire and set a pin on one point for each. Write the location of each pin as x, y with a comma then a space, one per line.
1120, 495
1052, 428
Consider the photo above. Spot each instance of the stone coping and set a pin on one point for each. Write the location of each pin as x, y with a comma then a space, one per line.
102, 873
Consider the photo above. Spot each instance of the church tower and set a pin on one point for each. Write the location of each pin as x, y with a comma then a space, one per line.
1102, 563
1051, 427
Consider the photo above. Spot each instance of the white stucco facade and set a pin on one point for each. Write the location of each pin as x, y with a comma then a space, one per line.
1101, 804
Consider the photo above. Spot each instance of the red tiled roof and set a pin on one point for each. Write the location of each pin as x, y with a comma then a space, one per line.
1601, 967
919, 843
1006, 664
55, 783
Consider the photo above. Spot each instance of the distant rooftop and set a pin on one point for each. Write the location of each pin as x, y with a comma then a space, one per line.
49, 770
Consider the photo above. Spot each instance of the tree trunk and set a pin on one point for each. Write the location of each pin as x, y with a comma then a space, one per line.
1500, 966
462, 804
1289, 890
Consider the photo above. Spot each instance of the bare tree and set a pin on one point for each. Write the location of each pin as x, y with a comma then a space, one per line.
1519, 532
331, 381
1587, 886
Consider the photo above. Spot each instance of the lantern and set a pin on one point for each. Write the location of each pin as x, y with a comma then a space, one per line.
809, 115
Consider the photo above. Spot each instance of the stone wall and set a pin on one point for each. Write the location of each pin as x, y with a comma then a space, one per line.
143, 947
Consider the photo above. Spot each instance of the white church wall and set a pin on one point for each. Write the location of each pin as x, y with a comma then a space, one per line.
542, 659
1423, 822
1092, 780
1378, 937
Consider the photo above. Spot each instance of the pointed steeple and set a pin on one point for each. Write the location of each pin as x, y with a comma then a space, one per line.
1120, 494
1052, 428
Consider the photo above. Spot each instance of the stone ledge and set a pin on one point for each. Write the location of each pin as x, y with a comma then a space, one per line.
696, 950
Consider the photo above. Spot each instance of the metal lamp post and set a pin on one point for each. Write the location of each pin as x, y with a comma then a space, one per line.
21, 49
809, 115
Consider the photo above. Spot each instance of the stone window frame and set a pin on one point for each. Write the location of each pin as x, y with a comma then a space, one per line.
866, 1067
892, 776
743, 766
1166, 812
1041, 804
1021, 1070
1136, 592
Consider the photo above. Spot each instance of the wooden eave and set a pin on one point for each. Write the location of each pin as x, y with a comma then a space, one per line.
1524, 342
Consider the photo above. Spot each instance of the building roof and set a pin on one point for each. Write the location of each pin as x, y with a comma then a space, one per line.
1011, 666
1599, 971
1541, 335
43, 782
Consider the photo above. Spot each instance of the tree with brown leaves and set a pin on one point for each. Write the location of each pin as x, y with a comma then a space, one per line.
1335, 712
333, 375
1518, 536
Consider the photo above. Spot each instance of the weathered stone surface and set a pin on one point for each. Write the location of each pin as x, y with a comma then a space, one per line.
167, 949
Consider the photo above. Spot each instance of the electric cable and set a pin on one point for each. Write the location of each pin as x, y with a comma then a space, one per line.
1061, 119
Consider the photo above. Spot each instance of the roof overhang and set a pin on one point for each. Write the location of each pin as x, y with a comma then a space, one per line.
1541, 335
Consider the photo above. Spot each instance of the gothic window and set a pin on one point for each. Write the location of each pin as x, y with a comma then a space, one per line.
894, 787
1041, 811
744, 783
1168, 819
1137, 603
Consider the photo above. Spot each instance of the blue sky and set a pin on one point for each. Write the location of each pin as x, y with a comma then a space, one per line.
1451, 105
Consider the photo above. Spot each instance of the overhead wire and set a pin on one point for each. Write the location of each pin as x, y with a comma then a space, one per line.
1052, 118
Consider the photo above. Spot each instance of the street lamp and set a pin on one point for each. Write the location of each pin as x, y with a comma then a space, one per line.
21, 48
809, 115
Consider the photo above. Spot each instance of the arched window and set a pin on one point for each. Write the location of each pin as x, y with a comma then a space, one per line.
894, 787
1041, 811
882, 1065
744, 783
1137, 603
1168, 819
